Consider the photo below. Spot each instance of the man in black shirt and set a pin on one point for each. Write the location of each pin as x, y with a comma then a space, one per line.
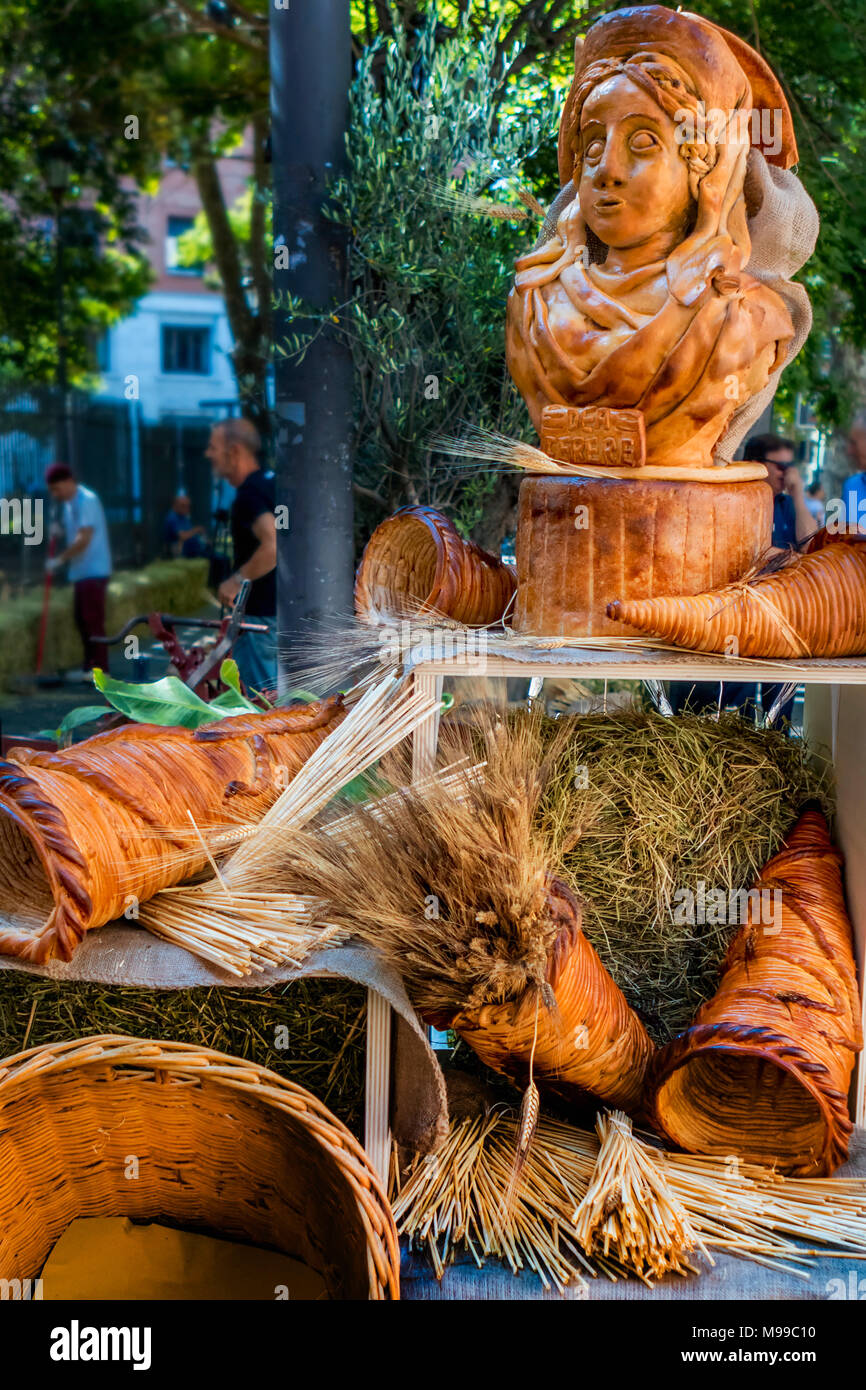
233, 451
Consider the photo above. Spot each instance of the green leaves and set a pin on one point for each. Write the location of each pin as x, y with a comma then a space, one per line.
85, 714
167, 702
434, 123
171, 703
232, 699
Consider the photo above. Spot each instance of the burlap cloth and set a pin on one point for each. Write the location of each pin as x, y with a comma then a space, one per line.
125, 955
783, 227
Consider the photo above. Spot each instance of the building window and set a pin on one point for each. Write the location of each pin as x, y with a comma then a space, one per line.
186, 350
175, 228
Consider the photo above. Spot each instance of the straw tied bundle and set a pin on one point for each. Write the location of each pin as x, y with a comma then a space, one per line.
244, 917
609, 1203
460, 896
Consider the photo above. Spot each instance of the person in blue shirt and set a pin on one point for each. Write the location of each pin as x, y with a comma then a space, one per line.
180, 535
854, 487
88, 555
815, 500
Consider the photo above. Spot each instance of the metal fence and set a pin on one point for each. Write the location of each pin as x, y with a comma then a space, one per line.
135, 467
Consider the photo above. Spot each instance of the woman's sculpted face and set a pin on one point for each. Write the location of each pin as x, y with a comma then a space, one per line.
634, 183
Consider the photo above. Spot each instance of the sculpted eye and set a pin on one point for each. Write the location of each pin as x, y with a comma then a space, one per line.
594, 150
642, 140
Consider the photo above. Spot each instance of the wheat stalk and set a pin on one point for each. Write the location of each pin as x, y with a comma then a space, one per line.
229, 920
630, 1207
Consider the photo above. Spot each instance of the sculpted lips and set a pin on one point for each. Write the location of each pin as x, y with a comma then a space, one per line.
609, 204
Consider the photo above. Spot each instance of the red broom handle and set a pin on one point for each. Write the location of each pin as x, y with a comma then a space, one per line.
46, 599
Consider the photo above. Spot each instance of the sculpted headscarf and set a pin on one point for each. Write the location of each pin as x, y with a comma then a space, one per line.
753, 322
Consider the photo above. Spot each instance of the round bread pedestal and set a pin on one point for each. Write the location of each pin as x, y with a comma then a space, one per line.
582, 542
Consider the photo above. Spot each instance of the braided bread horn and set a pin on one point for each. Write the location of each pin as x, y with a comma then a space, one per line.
764, 1070
87, 830
815, 606
590, 1044
417, 561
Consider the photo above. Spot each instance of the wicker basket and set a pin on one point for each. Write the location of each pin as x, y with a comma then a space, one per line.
222, 1145
764, 1070
417, 562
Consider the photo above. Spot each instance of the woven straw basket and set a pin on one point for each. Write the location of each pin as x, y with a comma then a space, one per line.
417, 562
764, 1070
592, 1045
222, 1145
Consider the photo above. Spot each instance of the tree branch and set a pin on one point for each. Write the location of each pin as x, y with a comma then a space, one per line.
371, 496
225, 252
202, 25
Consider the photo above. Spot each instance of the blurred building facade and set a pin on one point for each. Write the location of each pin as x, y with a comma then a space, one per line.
173, 352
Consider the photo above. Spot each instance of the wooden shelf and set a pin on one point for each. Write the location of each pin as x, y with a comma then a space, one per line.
642, 664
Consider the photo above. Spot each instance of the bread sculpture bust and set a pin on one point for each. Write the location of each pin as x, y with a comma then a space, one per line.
660, 287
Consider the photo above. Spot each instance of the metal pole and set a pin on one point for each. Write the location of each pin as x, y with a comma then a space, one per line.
63, 430
310, 74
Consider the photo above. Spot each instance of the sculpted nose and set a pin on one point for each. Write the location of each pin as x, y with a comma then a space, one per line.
609, 172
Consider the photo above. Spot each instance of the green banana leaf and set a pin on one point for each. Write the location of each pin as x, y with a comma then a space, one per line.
85, 714
233, 699
167, 702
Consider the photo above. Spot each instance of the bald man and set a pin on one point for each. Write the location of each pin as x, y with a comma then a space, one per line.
233, 452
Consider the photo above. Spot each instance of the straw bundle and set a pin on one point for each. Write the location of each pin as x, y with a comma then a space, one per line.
460, 896
809, 605
459, 1200
87, 831
764, 1070
418, 562
629, 1207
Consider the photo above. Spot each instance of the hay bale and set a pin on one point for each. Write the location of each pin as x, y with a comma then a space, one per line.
641, 812
176, 586
323, 1047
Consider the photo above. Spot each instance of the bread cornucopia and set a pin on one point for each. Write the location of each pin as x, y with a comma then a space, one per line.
88, 830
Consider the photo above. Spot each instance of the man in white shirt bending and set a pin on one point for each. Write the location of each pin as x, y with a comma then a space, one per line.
88, 555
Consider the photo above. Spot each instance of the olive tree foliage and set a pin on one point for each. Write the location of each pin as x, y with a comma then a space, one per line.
437, 154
